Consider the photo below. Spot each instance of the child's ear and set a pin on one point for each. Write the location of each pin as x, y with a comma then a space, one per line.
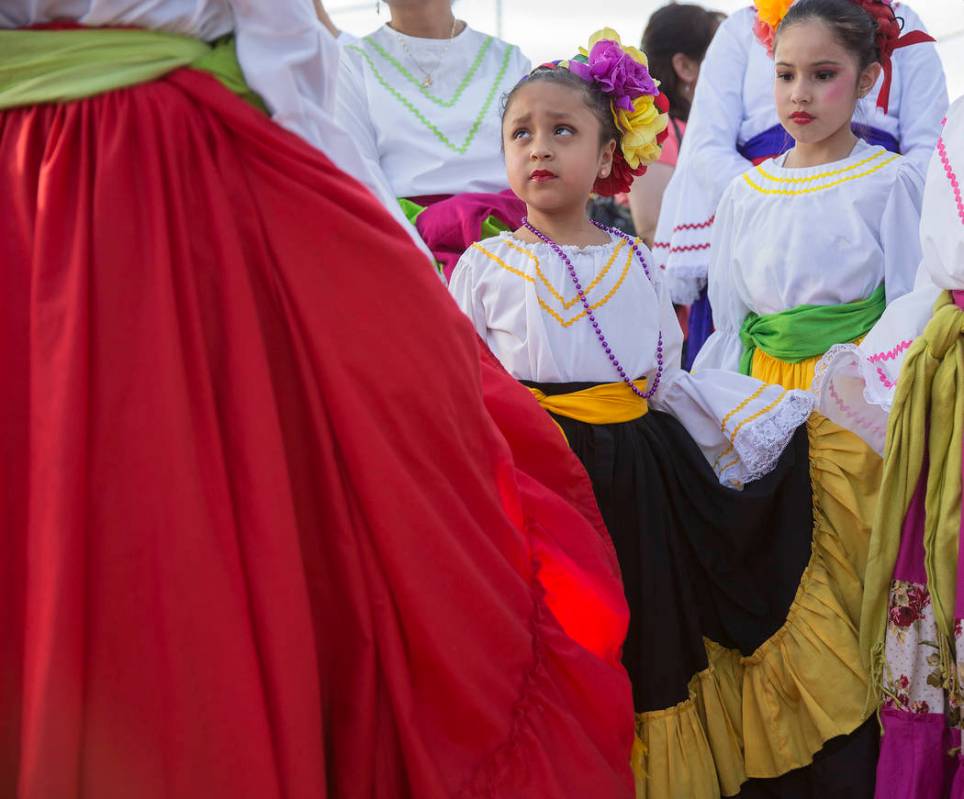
606, 158
868, 79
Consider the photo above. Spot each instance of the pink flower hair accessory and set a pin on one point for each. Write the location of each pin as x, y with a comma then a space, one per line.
618, 74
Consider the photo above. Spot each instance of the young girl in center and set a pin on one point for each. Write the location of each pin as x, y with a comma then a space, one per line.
741, 656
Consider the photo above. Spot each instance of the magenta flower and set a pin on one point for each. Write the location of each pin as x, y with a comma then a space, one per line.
617, 73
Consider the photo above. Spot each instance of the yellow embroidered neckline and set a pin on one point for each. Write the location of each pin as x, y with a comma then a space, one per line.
762, 173
556, 295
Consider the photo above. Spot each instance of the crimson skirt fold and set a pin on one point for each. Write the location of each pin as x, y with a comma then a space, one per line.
262, 536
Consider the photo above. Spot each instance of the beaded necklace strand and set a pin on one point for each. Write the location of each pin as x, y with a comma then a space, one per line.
589, 311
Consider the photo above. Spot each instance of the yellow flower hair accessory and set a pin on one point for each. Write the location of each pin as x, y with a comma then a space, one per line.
769, 15
639, 109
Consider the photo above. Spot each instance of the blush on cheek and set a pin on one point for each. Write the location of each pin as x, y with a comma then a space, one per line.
840, 91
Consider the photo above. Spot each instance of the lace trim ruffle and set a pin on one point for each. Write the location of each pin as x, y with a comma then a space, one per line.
848, 359
761, 443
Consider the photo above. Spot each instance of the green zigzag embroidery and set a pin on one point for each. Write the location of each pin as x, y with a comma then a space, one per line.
417, 84
476, 124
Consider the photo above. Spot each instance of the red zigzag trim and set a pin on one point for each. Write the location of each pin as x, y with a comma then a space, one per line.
695, 225
691, 247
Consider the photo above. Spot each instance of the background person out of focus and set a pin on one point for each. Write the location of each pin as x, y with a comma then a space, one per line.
675, 41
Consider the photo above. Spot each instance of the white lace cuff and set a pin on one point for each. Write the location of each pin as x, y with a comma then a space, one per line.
741, 425
854, 392
761, 442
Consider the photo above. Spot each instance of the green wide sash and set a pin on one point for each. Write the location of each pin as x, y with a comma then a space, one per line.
55, 66
808, 330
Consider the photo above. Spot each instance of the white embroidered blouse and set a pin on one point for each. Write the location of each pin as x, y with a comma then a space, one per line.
441, 139
823, 235
855, 385
523, 303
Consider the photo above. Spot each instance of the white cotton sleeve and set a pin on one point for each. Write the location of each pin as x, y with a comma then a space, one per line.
291, 60
723, 348
741, 425
463, 288
351, 112
709, 147
923, 94
520, 64
708, 161
899, 232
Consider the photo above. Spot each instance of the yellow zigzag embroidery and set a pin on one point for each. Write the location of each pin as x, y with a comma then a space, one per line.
745, 422
543, 304
789, 192
822, 175
726, 420
740, 407
552, 289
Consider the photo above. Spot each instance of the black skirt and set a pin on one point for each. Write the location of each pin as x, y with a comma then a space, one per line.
703, 561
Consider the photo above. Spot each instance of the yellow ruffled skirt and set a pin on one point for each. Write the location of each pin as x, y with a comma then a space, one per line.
769, 713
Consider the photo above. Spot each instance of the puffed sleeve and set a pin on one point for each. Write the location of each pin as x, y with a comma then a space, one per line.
352, 113
708, 161
899, 227
465, 292
741, 425
923, 94
723, 348
291, 61
709, 146
520, 65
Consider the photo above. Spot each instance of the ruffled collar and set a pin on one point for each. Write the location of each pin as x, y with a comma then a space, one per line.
588, 249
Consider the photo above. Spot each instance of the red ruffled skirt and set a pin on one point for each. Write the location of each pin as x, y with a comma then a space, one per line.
261, 536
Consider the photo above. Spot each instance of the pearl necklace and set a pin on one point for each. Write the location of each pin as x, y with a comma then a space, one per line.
589, 311
427, 75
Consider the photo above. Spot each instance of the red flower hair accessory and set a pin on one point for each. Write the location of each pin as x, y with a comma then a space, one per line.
888, 39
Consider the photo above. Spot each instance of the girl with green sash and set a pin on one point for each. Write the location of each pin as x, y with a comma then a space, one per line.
808, 250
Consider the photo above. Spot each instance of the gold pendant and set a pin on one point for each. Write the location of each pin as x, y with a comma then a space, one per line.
427, 82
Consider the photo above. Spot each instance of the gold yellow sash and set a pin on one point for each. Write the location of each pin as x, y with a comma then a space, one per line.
607, 403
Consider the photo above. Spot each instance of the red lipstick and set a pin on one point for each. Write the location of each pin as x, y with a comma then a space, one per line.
541, 175
801, 117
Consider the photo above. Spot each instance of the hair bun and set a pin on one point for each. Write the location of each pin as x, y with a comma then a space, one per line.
888, 27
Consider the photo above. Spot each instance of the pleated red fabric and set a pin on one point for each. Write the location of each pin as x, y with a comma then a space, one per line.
261, 536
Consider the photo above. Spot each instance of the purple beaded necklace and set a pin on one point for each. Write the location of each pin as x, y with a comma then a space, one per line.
589, 312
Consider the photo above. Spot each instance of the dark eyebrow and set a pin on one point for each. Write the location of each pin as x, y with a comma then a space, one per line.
813, 65
525, 118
